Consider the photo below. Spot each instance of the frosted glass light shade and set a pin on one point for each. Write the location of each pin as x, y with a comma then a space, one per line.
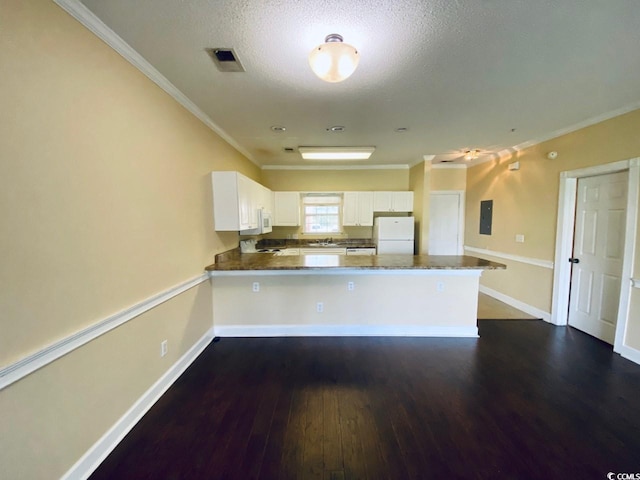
336, 153
334, 61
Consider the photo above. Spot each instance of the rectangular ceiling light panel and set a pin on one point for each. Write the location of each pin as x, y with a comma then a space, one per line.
336, 153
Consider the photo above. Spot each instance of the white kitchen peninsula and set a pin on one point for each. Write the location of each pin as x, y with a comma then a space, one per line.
334, 295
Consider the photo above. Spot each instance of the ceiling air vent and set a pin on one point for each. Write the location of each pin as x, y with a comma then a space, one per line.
225, 59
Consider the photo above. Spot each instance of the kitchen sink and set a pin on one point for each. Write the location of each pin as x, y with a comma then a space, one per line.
322, 244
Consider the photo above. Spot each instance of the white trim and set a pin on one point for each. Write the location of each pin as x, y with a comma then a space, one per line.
508, 256
87, 18
335, 167
446, 166
29, 364
425, 158
344, 331
635, 282
526, 308
564, 246
92, 458
603, 169
461, 194
81, 13
624, 305
434, 272
564, 240
557, 133
630, 353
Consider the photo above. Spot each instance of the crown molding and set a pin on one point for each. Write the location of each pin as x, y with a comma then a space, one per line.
444, 166
502, 154
87, 18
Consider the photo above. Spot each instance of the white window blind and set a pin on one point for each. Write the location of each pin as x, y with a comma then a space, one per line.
321, 213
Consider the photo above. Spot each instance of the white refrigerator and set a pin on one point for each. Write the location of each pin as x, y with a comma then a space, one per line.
393, 235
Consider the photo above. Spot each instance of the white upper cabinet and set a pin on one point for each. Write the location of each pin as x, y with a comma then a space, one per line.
236, 200
265, 198
357, 209
286, 212
392, 201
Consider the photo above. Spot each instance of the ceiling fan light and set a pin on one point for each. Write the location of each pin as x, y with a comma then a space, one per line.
333, 61
471, 155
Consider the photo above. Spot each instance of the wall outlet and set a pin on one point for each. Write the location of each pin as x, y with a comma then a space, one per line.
519, 238
256, 286
163, 348
440, 286
351, 286
320, 307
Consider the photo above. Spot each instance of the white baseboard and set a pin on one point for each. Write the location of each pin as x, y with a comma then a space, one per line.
344, 331
526, 308
630, 354
84, 467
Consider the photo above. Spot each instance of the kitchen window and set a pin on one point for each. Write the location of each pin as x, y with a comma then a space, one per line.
321, 213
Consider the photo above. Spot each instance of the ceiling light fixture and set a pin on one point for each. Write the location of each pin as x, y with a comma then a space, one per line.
334, 61
336, 153
471, 155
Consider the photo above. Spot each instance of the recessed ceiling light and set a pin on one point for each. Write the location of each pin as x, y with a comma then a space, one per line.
336, 128
401, 129
336, 153
278, 128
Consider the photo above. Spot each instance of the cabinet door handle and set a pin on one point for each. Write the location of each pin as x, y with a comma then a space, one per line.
574, 260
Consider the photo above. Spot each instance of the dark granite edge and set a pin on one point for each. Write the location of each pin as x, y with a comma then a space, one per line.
233, 260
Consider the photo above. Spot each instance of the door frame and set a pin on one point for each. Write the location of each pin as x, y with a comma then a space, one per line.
461, 212
565, 236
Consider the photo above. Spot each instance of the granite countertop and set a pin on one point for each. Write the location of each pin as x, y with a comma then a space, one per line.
233, 260
296, 243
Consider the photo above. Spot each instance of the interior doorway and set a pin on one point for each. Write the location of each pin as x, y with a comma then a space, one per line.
565, 239
446, 222
598, 250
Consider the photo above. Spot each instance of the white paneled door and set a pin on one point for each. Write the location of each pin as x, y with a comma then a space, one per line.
444, 224
598, 248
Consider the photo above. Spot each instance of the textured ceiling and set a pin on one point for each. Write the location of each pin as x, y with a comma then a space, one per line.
459, 74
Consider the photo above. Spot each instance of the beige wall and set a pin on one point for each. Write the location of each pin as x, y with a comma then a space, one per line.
336, 180
526, 202
443, 178
417, 185
105, 201
375, 301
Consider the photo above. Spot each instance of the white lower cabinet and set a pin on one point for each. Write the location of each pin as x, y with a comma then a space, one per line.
361, 251
288, 252
323, 251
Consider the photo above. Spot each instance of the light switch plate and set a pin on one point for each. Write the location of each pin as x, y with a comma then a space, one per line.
519, 238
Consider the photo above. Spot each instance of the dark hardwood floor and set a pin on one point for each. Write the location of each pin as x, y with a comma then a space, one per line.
526, 400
